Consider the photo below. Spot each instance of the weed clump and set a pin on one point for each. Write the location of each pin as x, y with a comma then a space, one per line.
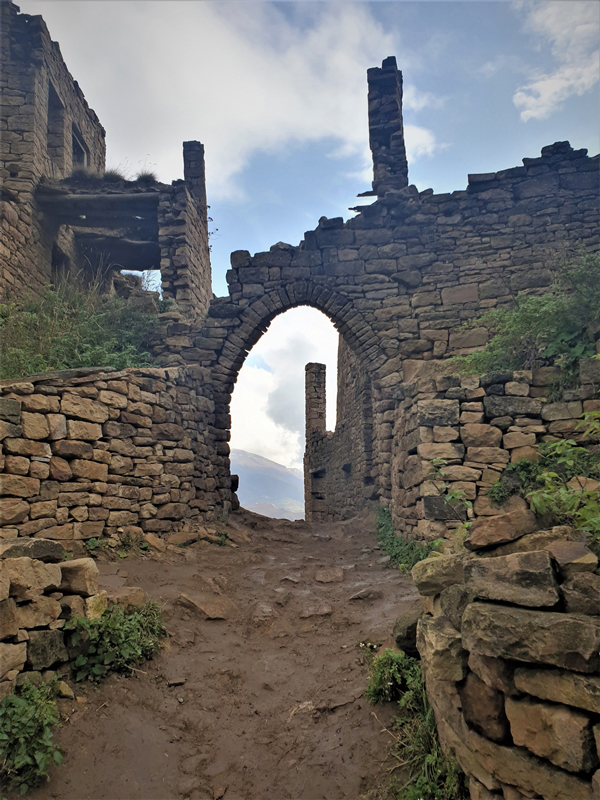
555, 328
26, 748
114, 642
432, 775
403, 554
72, 325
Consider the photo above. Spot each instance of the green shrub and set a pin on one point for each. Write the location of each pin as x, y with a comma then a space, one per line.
545, 483
432, 776
552, 329
114, 642
72, 325
403, 553
26, 747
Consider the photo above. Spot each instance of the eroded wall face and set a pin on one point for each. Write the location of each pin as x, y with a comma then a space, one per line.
46, 129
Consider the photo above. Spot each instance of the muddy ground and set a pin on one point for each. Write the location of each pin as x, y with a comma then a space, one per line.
269, 701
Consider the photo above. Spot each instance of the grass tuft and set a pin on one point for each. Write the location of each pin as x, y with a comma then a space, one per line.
403, 553
72, 325
431, 774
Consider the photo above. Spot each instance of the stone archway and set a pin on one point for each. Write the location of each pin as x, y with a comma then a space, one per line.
233, 328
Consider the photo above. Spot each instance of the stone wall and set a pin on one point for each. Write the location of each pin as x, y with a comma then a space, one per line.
477, 425
510, 647
45, 123
39, 592
93, 453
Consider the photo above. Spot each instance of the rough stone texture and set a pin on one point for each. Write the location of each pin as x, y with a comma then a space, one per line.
432, 575
563, 640
516, 766
40, 549
555, 732
45, 648
526, 579
440, 646
582, 593
572, 557
483, 708
560, 686
405, 629
494, 672
503, 528
29, 577
12, 656
79, 576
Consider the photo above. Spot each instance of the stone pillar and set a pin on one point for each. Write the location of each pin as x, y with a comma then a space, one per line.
386, 131
194, 174
315, 399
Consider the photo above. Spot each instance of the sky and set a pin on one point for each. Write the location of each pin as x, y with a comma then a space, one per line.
276, 91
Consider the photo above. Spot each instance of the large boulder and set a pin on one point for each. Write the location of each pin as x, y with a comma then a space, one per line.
503, 528
432, 575
571, 641
526, 579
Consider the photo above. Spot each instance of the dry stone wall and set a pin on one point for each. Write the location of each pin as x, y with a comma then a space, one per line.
39, 592
104, 454
510, 646
477, 425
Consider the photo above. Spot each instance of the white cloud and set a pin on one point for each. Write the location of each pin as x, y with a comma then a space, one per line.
241, 77
267, 406
571, 30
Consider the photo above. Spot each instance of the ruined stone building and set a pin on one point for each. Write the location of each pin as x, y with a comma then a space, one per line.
98, 453
398, 280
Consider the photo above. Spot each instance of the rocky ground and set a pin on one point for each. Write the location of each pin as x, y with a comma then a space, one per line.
258, 692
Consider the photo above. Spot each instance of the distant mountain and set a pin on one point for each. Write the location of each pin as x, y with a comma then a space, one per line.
267, 487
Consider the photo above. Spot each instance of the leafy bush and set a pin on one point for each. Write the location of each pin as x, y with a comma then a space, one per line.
552, 329
432, 776
403, 553
26, 747
72, 325
116, 641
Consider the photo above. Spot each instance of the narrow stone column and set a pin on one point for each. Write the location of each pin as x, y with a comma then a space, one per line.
386, 130
315, 399
194, 174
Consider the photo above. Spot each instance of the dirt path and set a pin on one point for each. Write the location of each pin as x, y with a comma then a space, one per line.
272, 705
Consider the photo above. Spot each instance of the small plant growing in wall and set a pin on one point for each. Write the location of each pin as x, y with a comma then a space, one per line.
404, 554
556, 328
556, 485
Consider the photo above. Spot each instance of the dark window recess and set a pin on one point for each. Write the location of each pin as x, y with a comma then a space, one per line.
80, 151
55, 129
369, 481
347, 468
319, 473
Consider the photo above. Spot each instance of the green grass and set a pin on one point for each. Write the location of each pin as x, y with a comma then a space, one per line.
72, 325
403, 553
26, 748
431, 774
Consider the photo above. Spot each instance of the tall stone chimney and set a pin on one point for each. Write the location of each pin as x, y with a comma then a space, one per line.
386, 131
